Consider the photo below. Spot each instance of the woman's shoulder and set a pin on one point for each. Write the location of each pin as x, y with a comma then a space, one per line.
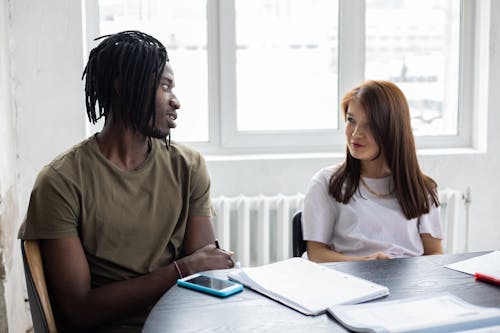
325, 173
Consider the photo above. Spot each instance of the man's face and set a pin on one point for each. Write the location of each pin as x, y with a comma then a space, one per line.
166, 106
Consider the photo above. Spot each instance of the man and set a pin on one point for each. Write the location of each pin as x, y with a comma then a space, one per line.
122, 215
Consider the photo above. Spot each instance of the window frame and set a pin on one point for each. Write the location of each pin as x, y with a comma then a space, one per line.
224, 139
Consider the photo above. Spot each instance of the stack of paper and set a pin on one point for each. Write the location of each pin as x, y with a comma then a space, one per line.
434, 313
306, 286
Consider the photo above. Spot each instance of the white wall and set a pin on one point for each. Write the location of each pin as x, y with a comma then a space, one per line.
13, 318
47, 67
48, 115
41, 115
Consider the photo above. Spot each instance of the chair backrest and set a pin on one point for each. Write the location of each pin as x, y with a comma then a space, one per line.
41, 310
298, 243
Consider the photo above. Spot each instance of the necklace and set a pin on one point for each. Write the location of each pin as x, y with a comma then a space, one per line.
376, 194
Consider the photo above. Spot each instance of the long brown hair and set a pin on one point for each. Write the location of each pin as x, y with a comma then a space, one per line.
389, 119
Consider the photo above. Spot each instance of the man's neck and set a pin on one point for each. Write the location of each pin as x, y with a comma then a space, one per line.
123, 147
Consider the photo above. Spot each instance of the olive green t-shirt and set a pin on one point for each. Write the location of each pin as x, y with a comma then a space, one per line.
130, 222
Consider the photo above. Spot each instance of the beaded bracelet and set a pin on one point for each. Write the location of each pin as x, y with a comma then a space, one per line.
178, 269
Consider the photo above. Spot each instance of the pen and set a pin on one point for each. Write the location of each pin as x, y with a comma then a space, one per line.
487, 278
225, 251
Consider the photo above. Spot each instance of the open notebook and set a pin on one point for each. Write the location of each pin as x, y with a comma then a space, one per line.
307, 287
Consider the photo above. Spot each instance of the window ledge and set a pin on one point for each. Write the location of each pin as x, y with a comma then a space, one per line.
277, 156
450, 151
329, 155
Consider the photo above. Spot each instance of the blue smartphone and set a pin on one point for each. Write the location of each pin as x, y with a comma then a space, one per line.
210, 285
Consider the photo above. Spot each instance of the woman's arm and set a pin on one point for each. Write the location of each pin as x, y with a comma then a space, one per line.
320, 252
431, 245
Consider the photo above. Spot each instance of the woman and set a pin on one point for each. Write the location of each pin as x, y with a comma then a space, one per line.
377, 204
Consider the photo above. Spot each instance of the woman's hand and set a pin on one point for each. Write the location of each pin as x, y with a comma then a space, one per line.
320, 252
375, 256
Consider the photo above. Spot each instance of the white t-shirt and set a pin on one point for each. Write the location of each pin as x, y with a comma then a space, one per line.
366, 224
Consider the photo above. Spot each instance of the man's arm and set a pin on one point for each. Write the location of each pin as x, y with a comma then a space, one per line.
199, 234
68, 277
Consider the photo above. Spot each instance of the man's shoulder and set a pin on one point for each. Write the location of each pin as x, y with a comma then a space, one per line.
183, 149
72, 157
181, 153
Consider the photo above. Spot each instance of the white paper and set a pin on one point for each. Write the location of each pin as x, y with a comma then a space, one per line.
412, 313
307, 286
488, 264
492, 329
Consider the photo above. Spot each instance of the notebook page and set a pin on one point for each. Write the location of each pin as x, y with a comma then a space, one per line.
313, 286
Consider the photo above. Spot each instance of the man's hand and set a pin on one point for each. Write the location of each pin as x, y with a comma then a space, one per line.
204, 259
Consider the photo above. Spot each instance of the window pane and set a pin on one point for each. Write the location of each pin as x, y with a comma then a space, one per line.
181, 26
416, 45
286, 64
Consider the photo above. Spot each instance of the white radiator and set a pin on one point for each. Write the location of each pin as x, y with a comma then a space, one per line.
455, 219
258, 228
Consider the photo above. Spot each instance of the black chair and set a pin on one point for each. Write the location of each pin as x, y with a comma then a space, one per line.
41, 310
298, 243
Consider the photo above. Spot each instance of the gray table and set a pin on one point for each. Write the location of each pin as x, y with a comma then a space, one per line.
183, 310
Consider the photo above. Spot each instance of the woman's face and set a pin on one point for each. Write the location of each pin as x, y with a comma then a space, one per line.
360, 141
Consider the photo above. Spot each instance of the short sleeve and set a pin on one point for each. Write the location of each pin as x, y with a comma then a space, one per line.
200, 203
430, 223
53, 208
318, 216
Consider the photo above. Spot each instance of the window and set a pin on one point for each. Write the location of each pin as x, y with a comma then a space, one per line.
286, 73
185, 36
267, 75
422, 59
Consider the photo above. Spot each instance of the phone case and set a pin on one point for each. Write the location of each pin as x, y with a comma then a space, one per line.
231, 290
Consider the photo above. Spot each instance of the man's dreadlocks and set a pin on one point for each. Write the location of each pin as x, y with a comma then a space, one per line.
129, 59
